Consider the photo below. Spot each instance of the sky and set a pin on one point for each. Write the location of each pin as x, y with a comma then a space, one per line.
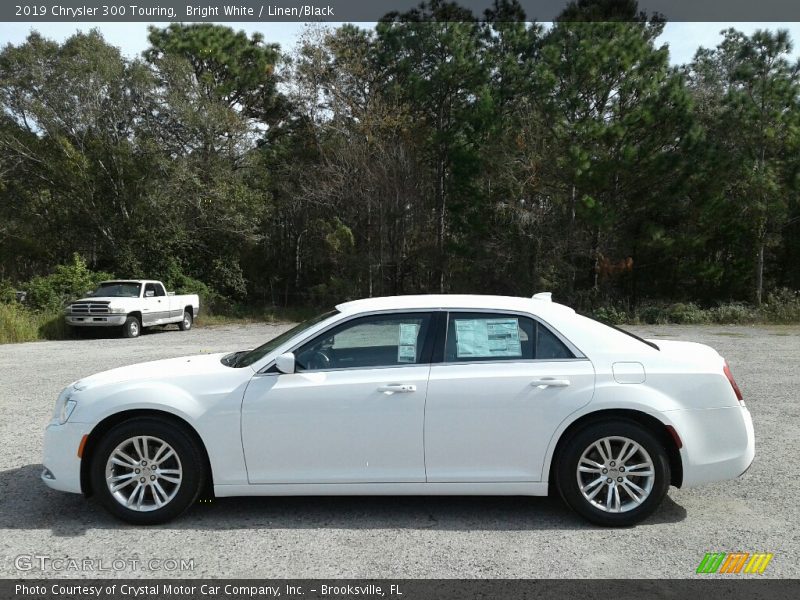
683, 38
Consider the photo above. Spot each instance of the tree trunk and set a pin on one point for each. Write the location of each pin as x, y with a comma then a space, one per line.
596, 258
570, 244
441, 207
760, 273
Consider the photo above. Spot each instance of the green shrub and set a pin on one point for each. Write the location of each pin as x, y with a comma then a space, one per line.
7, 291
734, 313
652, 314
69, 282
686, 313
782, 306
175, 280
610, 314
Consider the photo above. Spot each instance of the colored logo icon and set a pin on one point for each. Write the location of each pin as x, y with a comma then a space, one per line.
734, 562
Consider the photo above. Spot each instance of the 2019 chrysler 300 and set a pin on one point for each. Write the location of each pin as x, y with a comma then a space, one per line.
429, 394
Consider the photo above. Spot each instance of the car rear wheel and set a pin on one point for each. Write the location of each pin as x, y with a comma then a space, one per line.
146, 472
132, 327
186, 323
613, 473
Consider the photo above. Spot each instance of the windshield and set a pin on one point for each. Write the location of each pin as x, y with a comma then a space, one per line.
244, 359
118, 289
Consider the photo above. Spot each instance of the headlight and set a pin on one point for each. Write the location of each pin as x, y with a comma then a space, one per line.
64, 406
116, 310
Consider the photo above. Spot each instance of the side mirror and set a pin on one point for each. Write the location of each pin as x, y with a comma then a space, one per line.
285, 363
149, 294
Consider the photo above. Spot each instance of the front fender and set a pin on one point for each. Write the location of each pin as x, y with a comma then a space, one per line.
164, 397
216, 420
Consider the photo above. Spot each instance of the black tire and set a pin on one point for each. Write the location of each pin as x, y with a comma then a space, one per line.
132, 327
188, 320
189, 458
566, 471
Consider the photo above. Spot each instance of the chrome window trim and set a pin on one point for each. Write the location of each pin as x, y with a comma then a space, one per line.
509, 362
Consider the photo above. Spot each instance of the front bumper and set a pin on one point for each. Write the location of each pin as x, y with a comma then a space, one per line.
718, 444
95, 320
62, 466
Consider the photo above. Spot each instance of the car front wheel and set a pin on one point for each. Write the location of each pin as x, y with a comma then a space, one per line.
613, 473
132, 327
146, 472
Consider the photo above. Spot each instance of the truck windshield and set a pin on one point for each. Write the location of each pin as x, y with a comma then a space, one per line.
118, 289
248, 357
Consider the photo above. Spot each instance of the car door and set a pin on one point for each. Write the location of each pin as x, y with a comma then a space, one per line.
151, 305
163, 307
504, 384
352, 413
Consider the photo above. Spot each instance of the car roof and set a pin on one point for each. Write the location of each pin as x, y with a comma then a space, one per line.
541, 305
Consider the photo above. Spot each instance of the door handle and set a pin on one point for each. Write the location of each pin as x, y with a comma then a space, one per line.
550, 382
397, 388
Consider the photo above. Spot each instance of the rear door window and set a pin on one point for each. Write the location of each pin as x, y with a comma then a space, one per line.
500, 337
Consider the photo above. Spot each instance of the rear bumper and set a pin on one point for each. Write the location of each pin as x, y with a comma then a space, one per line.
62, 467
718, 444
96, 320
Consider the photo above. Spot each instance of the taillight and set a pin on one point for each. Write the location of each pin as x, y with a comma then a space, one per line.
727, 370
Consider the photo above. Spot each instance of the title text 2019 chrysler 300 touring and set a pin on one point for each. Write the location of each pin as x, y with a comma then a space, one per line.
410, 395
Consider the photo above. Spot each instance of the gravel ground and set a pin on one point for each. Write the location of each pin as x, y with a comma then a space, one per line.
407, 537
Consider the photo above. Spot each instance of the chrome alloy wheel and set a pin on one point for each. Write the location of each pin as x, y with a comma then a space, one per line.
143, 473
187, 321
615, 474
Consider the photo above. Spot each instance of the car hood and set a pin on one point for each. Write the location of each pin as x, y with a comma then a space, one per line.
171, 368
104, 299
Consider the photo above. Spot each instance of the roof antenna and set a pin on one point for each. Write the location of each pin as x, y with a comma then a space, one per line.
545, 296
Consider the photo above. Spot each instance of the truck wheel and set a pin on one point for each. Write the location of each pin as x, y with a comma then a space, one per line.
186, 324
132, 327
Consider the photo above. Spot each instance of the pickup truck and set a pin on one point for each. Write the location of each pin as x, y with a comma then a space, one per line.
133, 304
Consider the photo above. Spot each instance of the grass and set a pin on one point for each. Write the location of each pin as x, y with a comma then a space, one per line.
18, 324
247, 316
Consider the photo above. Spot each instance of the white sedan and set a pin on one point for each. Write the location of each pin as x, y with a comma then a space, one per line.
410, 395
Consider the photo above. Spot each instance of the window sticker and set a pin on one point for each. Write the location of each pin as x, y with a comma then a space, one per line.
407, 343
482, 338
